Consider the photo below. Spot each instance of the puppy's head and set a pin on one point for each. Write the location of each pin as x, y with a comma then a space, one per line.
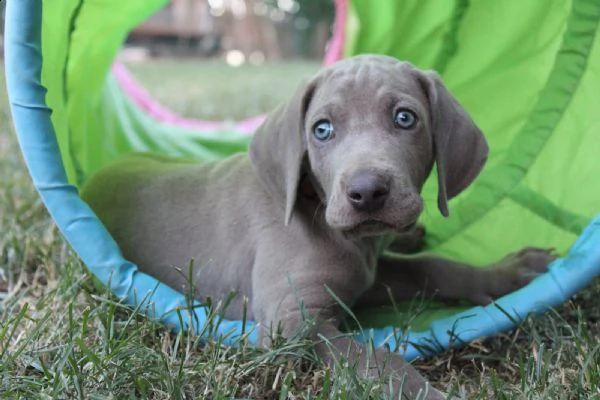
367, 131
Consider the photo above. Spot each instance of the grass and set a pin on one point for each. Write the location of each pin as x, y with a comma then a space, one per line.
63, 336
232, 93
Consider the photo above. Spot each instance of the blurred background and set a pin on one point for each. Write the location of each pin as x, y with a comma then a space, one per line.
228, 59
196, 56
237, 31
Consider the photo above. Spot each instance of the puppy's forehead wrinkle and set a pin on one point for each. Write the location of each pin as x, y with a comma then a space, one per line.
368, 69
330, 105
367, 84
379, 104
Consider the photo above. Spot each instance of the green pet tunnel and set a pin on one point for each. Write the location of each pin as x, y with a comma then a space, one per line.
528, 73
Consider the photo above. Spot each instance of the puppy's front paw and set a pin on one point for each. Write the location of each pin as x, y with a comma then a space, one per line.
512, 272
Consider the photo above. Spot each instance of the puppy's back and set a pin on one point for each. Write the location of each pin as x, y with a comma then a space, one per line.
164, 212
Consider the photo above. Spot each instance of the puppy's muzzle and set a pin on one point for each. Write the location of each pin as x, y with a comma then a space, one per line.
367, 191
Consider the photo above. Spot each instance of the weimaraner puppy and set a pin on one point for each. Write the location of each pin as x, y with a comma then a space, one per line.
331, 177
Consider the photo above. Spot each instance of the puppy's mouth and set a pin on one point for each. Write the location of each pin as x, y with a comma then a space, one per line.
373, 227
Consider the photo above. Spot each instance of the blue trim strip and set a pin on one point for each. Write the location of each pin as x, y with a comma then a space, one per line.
77, 222
566, 277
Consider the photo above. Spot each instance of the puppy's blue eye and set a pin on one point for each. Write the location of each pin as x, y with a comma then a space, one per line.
405, 119
323, 131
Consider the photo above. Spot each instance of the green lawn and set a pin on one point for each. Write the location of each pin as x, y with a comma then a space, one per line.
213, 90
62, 336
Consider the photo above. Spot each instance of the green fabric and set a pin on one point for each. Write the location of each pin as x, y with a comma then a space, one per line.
527, 71
520, 69
94, 120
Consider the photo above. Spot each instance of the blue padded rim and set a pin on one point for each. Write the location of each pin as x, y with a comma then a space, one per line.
77, 222
88, 237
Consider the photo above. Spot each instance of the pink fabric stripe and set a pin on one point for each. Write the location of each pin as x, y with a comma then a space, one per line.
161, 114
334, 51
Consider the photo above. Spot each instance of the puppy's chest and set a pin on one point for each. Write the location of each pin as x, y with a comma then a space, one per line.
366, 259
356, 266
369, 265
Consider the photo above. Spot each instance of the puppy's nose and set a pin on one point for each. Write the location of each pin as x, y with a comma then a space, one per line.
367, 191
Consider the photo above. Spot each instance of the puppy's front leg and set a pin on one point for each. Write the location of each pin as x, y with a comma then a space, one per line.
407, 383
403, 277
334, 348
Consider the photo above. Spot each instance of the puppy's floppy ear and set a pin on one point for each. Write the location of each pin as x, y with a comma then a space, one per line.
460, 147
279, 146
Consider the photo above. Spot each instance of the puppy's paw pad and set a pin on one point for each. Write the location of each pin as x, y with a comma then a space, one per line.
513, 272
533, 260
518, 269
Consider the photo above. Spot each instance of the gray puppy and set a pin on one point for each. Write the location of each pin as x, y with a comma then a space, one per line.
331, 177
